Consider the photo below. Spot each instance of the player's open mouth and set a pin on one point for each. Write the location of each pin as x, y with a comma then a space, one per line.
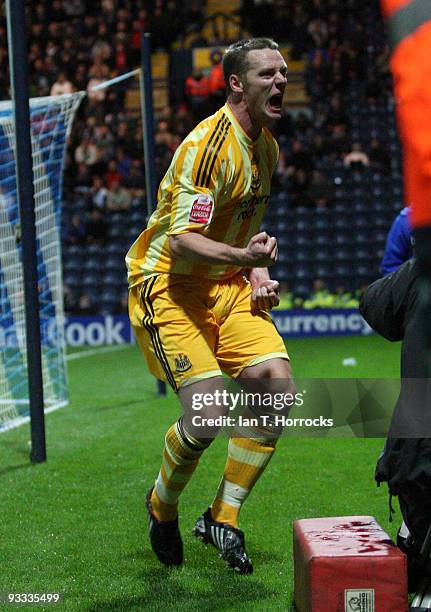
275, 102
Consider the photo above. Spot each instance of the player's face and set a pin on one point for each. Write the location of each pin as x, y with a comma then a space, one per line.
265, 82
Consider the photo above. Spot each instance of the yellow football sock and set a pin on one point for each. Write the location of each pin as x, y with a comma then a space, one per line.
180, 458
247, 459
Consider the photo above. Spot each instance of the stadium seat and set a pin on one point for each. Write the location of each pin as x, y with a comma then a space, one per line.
93, 263
109, 299
115, 262
304, 272
95, 250
72, 279
360, 222
360, 207
342, 254
361, 238
91, 279
72, 263
323, 272
341, 270
302, 290
114, 249
323, 255
302, 255
70, 250
118, 229
342, 239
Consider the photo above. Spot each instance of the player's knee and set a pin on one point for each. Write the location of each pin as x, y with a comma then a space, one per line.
276, 374
205, 407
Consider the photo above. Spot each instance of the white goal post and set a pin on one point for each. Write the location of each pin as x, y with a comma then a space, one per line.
51, 119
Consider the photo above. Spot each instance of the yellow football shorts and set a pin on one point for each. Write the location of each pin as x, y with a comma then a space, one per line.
192, 328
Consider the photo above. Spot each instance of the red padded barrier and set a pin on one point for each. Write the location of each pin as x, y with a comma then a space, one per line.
347, 564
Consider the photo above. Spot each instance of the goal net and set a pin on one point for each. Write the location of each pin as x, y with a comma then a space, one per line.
51, 119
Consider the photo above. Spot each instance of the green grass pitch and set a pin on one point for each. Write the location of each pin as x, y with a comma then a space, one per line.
76, 524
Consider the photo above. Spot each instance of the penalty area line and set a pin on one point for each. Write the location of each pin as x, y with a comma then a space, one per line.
98, 351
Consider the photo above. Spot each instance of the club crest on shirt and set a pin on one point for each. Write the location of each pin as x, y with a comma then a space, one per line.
255, 178
202, 209
182, 363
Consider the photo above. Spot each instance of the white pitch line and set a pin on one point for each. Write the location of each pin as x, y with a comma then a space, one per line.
26, 419
77, 355
98, 351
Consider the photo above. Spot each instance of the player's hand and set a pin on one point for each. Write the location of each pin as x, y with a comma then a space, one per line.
265, 295
261, 251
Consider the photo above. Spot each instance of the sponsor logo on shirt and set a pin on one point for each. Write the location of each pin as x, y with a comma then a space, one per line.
248, 208
202, 209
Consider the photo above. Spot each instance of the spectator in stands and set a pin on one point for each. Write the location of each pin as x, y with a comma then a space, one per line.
135, 182
298, 34
69, 299
75, 232
299, 159
121, 61
298, 189
122, 306
87, 152
216, 84
343, 298
61, 86
379, 157
160, 29
105, 142
356, 159
96, 227
98, 193
319, 190
194, 14
83, 177
286, 296
338, 78
135, 41
317, 76
319, 147
112, 175
182, 122
399, 243
302, 124
382, 64
319, 297
285, 127
74, 8
101, 49
124, 162
197, 93
336, 115
85, 306
338, 143
318, 32
118, 198
39, 81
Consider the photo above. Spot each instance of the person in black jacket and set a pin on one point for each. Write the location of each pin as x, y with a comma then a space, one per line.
390, 305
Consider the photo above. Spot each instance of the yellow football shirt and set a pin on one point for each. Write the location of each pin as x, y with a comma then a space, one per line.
218, 185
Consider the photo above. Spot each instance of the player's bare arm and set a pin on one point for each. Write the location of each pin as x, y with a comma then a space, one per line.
260, 252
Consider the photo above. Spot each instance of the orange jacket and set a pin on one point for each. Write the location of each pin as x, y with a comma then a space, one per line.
216, 79
196, 87
410, 28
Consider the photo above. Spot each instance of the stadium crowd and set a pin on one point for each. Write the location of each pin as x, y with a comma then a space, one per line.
75, 45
